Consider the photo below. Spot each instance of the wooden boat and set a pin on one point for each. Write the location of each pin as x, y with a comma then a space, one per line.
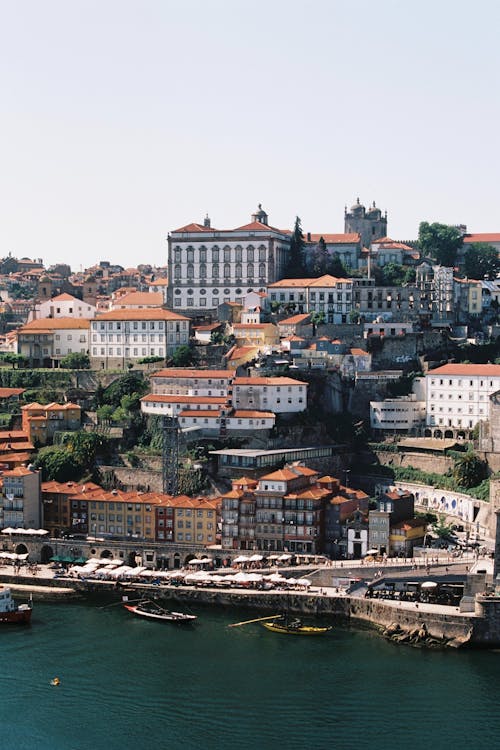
294, 627
10, 612
154, 611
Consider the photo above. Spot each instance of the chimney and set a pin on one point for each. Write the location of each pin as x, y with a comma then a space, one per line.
309, 236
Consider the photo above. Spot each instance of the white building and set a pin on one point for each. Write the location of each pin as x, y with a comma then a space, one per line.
136, 300
208, 266
279, 395
397, 414
183, 381
45, 341
173, 405
327, 295
122, 336
458, 394
64, 306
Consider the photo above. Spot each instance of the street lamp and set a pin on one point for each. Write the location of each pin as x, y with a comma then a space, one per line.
347, 472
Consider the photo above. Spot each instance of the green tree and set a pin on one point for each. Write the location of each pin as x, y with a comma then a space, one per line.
183, 356
469, 470
16, 360
132, 382
296, 261
441, 528
440, 241
481, 261
75, 361
56, 463
318, 259
317, 319
354, 316
336, 268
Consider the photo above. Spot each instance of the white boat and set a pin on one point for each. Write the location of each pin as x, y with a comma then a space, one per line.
153, 611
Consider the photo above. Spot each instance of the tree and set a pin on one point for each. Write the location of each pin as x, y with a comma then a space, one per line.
75, 361
318, 260
354, 316
132, 382
440, 241
336, 268
317, 318
469, 470
481, 261
296, 264
441, 528
183, 356
13, 359
56, 463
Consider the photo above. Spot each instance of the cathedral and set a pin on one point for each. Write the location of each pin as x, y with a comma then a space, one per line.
368, 222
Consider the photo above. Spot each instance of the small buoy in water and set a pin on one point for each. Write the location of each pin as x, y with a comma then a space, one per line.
55, 681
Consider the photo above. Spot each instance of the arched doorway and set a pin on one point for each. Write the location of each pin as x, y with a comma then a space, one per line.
448, 434
427, 433
45, 554
21, 549
189, 558
106, 554
177, 561
438, 434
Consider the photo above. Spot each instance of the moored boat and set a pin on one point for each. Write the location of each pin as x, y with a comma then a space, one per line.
154, 611
294, 627
10, 612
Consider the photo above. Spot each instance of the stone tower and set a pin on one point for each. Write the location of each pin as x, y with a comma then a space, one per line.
369, 223
260, 215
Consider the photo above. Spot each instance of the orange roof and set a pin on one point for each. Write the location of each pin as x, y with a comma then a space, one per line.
322, 281
153, 299
248, 326
358, 352
194, 228
148, 313
268, 381
13, 435
258, 226
7, 392
482, 237
332, 239
461, 369
294, 320
246, 482
305, 470
52, 324
282, 475
18, 471
159, 282
65, 297
182, 372
169, 399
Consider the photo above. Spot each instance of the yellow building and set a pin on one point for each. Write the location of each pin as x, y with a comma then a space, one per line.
405, 535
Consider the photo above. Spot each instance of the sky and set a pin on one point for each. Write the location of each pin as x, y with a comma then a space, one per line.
122, 120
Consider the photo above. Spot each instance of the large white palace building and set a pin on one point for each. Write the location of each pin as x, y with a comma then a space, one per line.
208, 266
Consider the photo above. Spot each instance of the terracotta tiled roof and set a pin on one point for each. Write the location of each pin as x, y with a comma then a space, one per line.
332, 239
482, 237
268, 381
53, 324
182, 372
162, 398
294, 320
148, 313
7, 392
193, 227
322, 281
282, 475
153, 299
460, 369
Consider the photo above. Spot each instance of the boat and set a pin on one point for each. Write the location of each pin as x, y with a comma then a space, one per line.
154, 611
294, 627
10, 612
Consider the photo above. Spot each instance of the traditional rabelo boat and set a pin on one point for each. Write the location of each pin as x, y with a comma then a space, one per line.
288, 626
10, 612
153, 611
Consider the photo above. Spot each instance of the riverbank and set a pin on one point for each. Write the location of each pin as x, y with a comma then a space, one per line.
445, 623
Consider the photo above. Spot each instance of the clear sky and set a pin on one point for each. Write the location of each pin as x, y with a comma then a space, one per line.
121, 120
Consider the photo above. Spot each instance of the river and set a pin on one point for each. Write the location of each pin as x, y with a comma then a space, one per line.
128, 683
